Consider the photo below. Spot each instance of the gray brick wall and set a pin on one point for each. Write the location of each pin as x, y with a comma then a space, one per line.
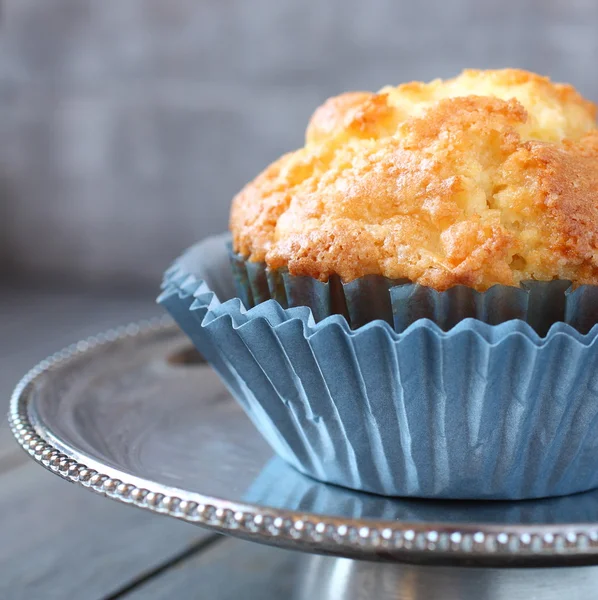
127, 125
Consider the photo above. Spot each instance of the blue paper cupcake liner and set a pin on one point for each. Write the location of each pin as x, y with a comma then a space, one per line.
478, 412
401, 303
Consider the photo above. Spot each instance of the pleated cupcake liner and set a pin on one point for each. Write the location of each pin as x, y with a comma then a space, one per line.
477, 412
400, 302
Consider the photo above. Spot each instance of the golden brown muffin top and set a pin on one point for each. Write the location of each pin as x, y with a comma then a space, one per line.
491, 177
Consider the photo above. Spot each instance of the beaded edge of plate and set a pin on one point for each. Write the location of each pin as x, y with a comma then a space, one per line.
280, 526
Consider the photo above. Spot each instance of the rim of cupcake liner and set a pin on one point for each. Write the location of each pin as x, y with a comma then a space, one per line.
178, 280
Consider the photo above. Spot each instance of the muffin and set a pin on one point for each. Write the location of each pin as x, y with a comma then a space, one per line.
487, 179
411, 304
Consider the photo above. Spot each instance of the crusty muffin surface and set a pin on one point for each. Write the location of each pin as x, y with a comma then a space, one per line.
488, 178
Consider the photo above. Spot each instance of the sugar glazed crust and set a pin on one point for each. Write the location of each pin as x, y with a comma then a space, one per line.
488, 178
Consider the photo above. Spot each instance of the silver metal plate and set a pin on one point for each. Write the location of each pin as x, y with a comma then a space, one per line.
135, 415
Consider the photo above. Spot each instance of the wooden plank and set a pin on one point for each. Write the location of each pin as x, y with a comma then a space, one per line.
59, 541
230, 570
34, 324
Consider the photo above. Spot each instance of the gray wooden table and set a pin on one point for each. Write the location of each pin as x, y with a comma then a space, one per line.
61, 541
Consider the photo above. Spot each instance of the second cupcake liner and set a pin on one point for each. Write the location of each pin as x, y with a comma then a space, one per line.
478, 412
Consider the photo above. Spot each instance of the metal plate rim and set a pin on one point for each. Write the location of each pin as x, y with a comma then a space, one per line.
515, 545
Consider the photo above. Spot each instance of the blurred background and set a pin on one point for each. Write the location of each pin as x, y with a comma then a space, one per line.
126, 126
